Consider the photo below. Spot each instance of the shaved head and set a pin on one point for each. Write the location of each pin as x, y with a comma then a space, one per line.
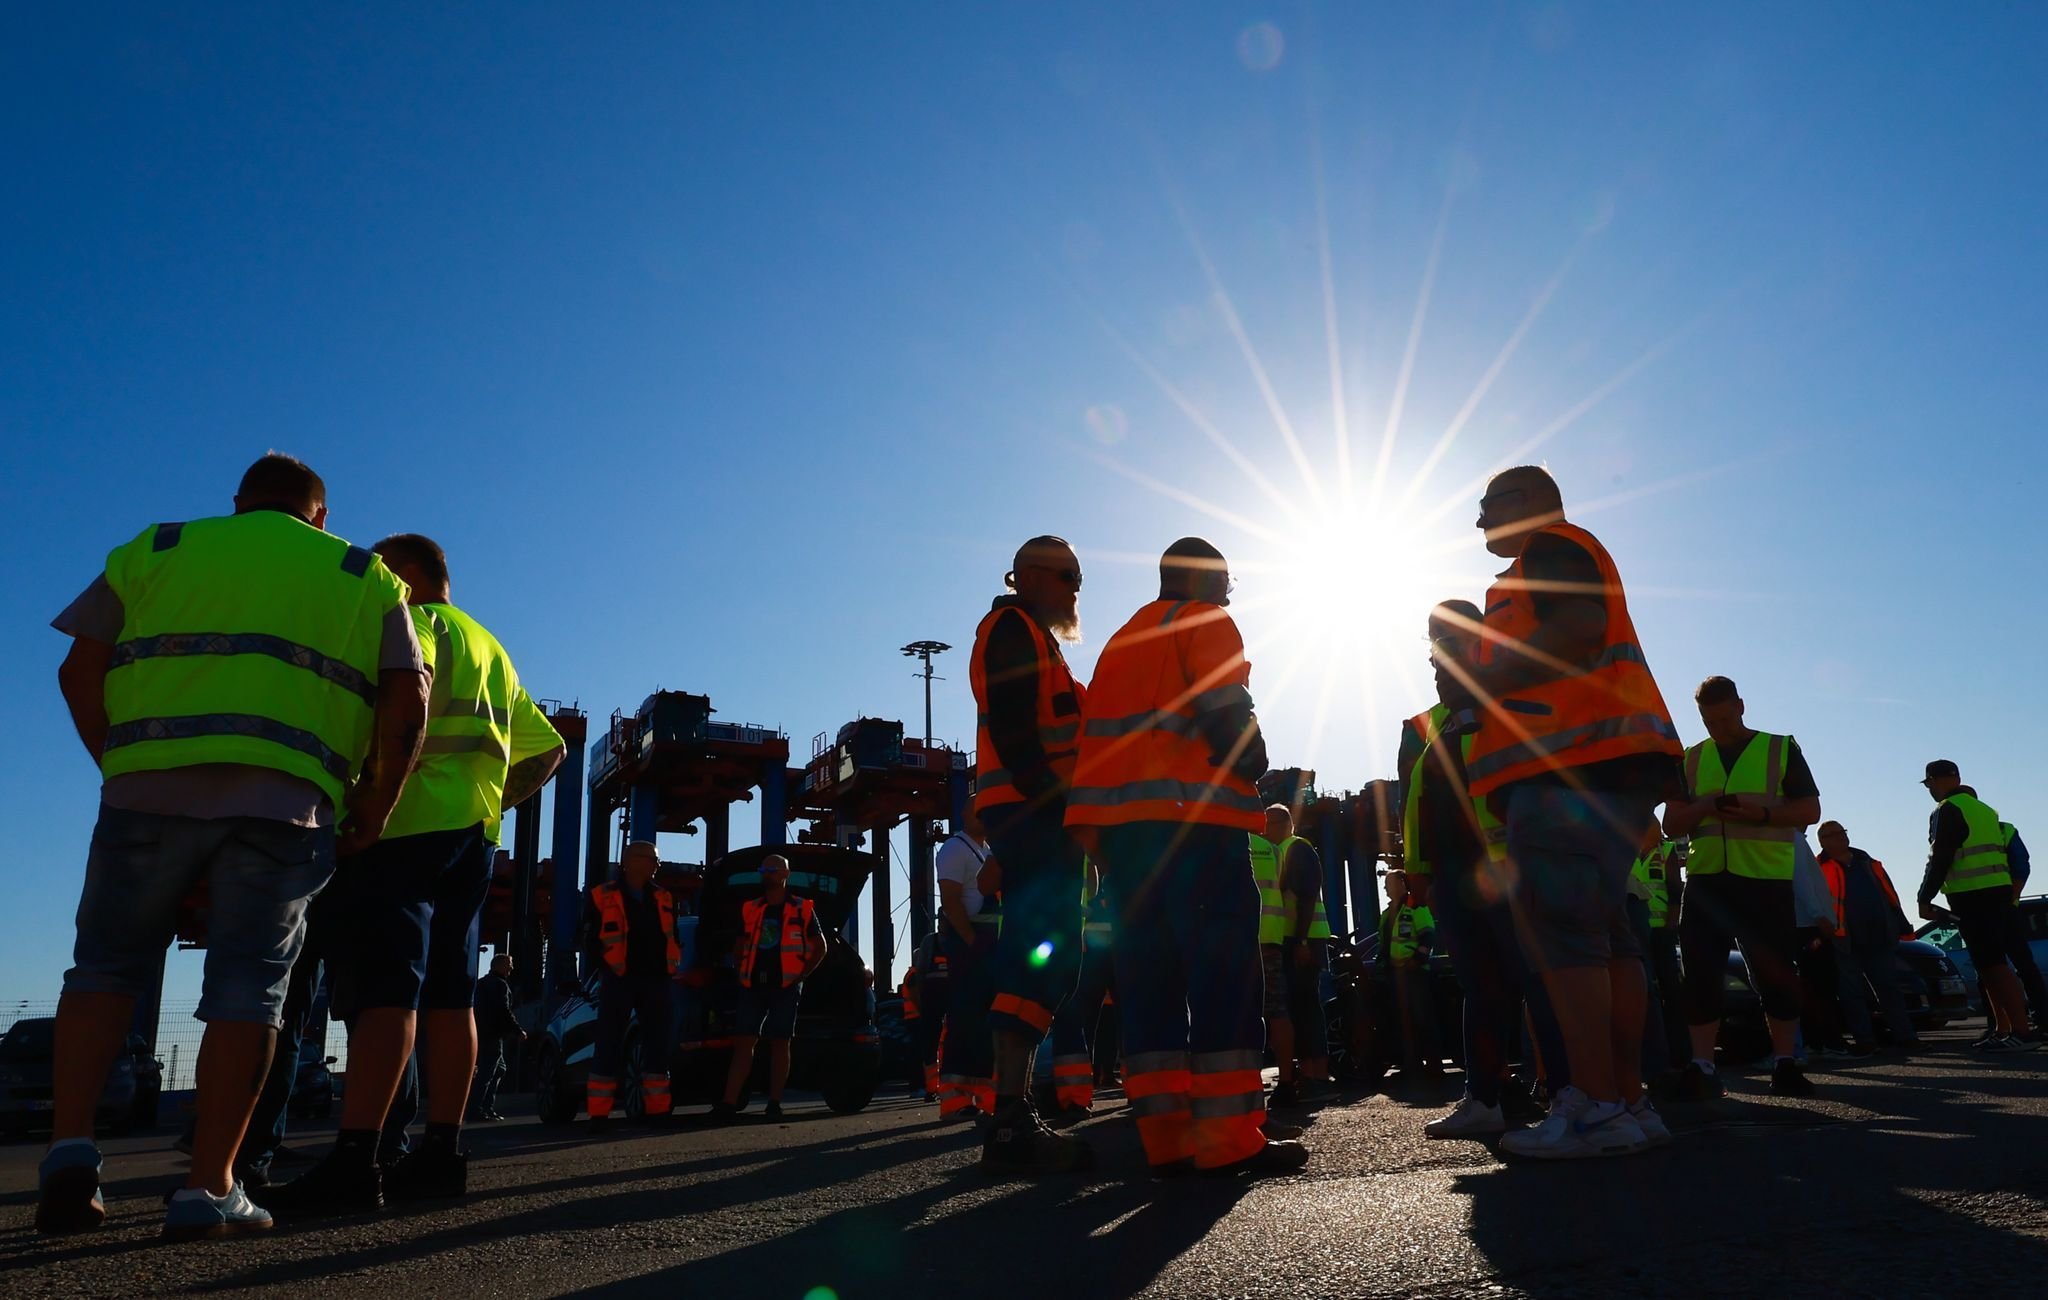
1193, 569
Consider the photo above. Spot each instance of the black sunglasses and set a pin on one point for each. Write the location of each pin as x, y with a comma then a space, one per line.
1072, 577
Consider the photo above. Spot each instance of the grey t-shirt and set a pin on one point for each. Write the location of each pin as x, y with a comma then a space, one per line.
206, 791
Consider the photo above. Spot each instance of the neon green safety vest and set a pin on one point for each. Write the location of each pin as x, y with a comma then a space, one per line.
1098, 929
1654, 870
1266, 859
1491, 828
1981, 863
1739, 848
1403, 927
251, 639
471, 710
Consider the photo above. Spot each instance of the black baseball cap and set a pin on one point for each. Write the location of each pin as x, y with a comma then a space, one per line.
1941, 767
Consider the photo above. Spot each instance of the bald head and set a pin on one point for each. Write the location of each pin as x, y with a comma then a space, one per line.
1518, 501
1193, 569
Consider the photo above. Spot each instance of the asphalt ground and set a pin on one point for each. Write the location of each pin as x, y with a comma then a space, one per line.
1927, 1177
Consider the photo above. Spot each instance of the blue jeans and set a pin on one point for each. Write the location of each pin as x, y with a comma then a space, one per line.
260, 875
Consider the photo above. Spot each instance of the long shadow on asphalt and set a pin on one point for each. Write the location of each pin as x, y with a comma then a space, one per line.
1782, 1198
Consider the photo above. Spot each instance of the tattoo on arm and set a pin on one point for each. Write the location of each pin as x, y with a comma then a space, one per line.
527, 777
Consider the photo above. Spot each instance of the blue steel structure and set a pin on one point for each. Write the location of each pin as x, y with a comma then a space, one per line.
1351, 832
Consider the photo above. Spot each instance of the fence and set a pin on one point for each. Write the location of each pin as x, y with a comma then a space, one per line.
177, 1036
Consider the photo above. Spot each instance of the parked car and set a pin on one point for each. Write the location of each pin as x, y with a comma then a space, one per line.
1945, 936
27, 1053
1928, 980
837, 1049
900, 1062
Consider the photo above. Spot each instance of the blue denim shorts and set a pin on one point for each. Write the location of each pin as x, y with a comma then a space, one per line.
767, 1013
406, 914
260, 876
1572, 852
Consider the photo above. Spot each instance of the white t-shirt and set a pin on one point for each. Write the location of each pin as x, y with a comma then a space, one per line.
960, 860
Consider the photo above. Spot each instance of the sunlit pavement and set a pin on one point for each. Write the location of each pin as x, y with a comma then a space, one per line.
1925, 1177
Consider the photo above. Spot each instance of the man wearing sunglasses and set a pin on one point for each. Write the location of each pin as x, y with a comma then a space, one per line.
1029, 721
1575, 748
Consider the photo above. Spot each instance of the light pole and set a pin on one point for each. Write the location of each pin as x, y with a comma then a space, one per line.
925, 650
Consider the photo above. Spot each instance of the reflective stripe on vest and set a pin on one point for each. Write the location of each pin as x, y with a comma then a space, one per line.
1982, 862
1739, 848
614, 925
1144, 757
466, 757
252, 639
790, 947
1611, 709
1057, 712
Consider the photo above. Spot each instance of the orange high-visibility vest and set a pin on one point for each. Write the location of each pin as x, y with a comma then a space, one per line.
1143, 756
1058, 711
910, 1009
1610, 710
610, 898
796, 926
1838, 885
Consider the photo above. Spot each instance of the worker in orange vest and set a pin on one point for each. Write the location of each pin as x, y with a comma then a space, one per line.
1869, 923
916, 984
780, 943
1029, 708
1575, 748
1164, 794
629, 934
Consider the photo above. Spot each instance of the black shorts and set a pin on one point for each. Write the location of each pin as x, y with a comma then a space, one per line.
406, 914
1983, 916
1724, 911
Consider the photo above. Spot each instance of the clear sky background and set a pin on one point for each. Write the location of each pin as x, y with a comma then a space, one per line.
729, 349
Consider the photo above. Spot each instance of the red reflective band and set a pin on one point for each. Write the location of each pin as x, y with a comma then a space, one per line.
1228, 1083
1156, 1083
1024, 1009
1075, 1094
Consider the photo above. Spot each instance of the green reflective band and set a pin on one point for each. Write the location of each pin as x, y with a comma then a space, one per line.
166, 645
1151, 720
486, 744
484, 709
139, 730
1169, 791
1544, 747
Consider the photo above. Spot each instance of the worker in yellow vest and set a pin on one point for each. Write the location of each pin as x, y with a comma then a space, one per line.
1649, 906
1968, 863
1659, 871
412, 904
229, 676
1293, 929
1749, 798
780, 944
1074, 1027
1401, 966
629, 937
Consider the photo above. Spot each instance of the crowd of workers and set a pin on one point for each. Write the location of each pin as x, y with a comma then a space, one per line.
317, 734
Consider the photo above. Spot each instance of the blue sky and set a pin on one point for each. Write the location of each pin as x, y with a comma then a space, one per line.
727, 351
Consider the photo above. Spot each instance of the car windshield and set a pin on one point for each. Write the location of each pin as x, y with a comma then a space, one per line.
1945, 937
28, 1040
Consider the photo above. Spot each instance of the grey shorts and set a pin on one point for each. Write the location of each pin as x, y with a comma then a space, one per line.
1572, 852
1274, 959
260, 875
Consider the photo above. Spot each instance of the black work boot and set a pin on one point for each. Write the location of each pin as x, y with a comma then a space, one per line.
347, 1181
1018, 1142
430, 1171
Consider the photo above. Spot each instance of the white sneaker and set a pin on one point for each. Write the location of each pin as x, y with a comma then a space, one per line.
1649, 1121
1470, 1119
1573, 1132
